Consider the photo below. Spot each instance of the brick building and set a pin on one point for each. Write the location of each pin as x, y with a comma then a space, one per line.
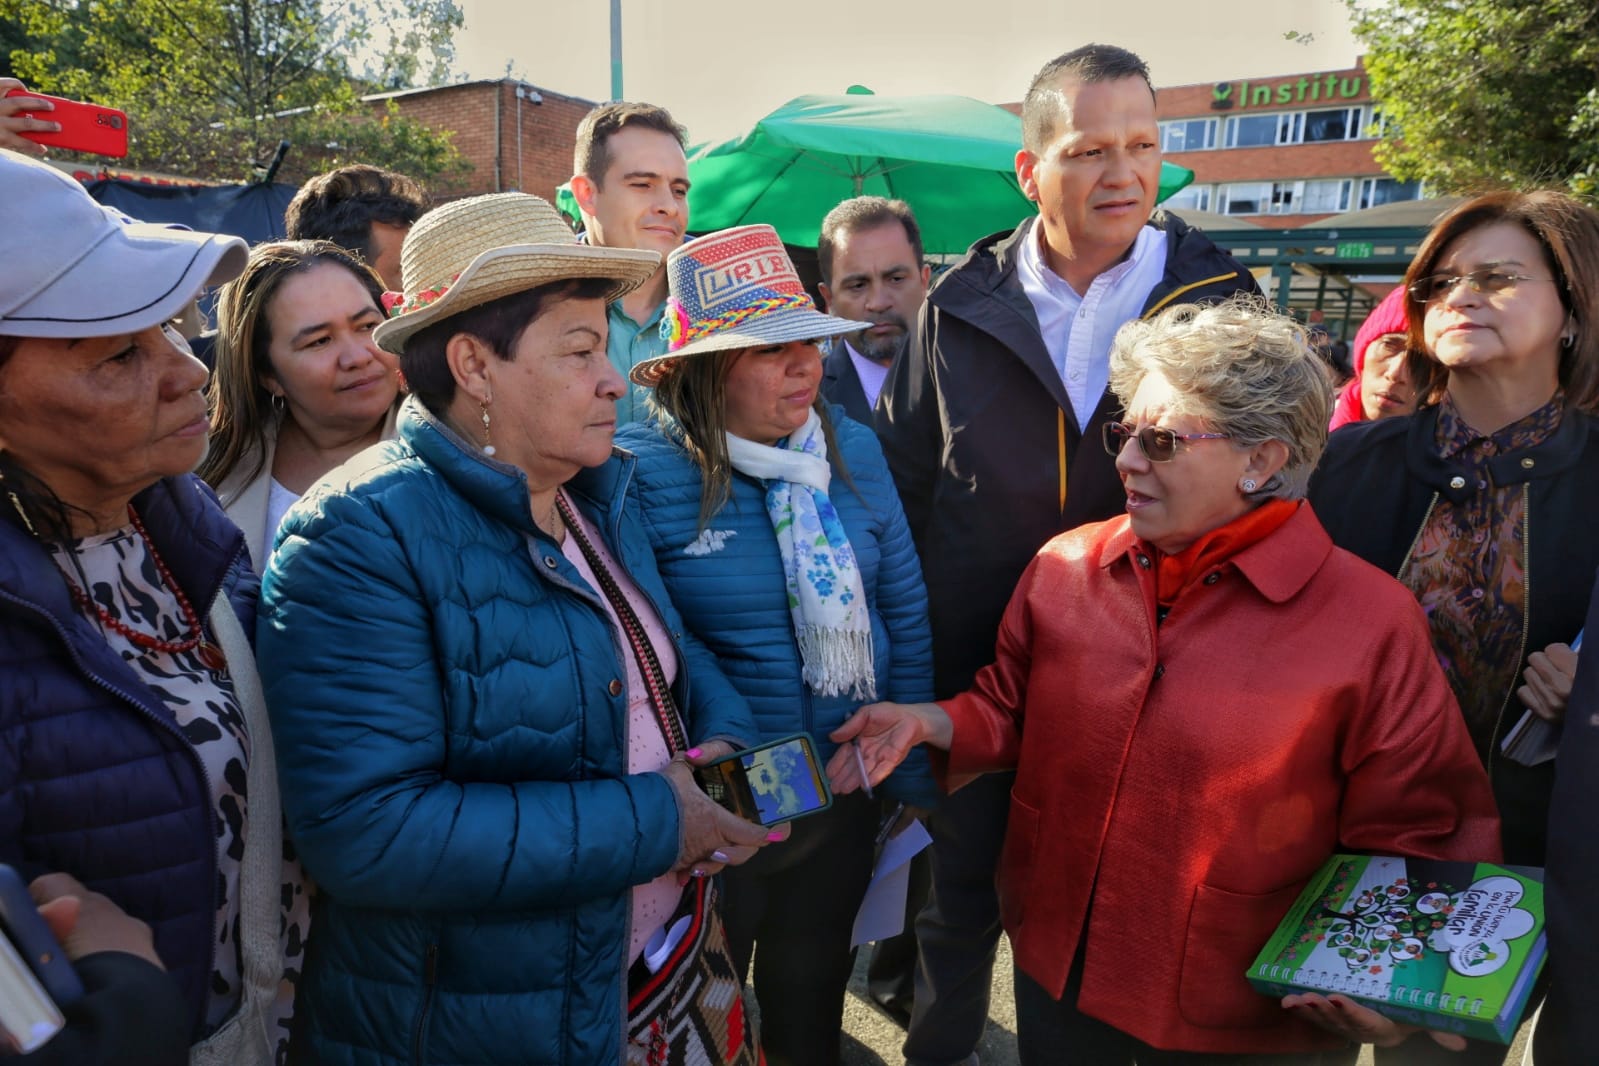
1281, 151
516, 136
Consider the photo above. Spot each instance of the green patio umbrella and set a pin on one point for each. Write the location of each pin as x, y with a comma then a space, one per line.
951, 158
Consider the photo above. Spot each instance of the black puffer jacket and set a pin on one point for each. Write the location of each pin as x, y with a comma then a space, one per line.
982, 441
1373, 491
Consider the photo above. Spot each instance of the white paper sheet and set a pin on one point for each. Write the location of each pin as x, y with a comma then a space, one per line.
882, 912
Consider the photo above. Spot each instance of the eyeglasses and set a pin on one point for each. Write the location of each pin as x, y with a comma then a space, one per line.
1486, 280
1159, 444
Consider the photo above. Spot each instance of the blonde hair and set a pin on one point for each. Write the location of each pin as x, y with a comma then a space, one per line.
1243, 367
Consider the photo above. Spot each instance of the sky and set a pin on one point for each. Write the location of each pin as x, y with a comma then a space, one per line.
718, 65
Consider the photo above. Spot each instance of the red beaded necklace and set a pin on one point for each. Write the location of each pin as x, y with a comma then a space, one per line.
209, 654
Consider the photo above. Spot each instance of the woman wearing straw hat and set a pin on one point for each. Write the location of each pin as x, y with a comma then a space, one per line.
471, 667
781, 539
135, 753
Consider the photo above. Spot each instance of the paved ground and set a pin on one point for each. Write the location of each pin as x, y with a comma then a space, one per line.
870, 1039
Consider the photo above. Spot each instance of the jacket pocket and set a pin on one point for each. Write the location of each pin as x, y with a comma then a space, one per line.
1226, 930
1016, 862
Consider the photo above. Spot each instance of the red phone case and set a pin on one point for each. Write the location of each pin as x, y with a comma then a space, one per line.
84, 127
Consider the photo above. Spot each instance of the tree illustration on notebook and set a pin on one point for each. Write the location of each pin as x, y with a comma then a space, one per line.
1392, 923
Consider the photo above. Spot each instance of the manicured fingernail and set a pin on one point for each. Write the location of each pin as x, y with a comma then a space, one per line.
719, 856
693, 753
697, 872
773, 838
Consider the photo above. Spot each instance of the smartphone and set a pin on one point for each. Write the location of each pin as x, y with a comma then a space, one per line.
27, 931
84, 127
773, 782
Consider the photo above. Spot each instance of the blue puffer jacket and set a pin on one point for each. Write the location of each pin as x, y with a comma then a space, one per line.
452, 745
95, 776
728, 582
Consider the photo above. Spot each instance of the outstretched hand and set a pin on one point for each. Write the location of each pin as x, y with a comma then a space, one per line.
1361, 1025
885, 733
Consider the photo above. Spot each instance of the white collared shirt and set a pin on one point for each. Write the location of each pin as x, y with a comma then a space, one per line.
871, 373
1077, 329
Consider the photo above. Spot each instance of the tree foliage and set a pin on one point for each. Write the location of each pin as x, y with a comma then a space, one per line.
1484, 93
211, 86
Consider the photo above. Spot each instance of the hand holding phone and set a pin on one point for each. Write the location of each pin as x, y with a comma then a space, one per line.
55, 122
770, 783
36, 978
21, 113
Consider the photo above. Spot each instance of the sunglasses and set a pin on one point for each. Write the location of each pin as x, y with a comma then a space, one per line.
1159, 444
1486, 280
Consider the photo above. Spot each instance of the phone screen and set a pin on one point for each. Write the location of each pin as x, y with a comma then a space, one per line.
771, 783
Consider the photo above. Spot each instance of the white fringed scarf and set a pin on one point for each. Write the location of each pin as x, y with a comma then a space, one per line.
826, 597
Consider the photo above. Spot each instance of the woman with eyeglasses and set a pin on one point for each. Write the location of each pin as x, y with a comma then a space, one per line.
1199, 702
1485, 504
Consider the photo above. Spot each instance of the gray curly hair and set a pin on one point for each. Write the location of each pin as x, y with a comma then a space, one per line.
1241, 366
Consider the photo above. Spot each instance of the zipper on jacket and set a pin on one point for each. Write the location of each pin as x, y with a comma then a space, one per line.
1526, 621
1190, 287
183, 742
1410, 551
430, 976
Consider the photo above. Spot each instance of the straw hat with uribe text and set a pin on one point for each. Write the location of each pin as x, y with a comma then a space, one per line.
469, 252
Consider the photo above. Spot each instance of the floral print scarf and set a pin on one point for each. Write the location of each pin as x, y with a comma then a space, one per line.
826, 597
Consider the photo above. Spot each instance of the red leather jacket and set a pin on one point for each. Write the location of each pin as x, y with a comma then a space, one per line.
1177, 785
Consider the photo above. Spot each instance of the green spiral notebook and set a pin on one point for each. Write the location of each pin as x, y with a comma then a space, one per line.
1453, 946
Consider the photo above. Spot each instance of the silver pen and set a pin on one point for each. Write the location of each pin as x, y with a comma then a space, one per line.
860, 764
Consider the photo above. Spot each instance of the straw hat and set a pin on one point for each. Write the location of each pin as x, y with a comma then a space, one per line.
735, 288
471, 251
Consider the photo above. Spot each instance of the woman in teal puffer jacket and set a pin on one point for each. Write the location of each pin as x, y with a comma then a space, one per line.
469, 755
781, 539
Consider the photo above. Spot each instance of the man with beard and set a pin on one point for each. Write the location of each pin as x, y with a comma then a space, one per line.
870, 256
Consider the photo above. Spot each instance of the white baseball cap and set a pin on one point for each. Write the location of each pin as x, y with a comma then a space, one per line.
74, 269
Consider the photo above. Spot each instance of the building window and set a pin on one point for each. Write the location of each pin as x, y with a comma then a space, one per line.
1325, 197
1295, 127
1246, 198
1188, 135
1375, 191
1342, 124
1194, 197
1253, 131
1322, 197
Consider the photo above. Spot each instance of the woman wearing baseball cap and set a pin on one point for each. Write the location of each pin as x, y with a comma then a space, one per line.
135, 753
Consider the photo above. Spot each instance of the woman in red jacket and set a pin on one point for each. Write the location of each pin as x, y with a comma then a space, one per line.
1203, 700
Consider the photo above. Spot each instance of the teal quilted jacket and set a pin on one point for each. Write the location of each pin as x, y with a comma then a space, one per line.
452, 758
727, 580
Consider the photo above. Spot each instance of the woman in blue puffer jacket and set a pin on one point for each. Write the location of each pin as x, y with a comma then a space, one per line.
781, 539
472, 729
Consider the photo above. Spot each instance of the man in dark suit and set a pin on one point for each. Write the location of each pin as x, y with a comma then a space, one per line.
870, 256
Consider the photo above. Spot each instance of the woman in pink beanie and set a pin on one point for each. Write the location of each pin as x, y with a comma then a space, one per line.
1381, 386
